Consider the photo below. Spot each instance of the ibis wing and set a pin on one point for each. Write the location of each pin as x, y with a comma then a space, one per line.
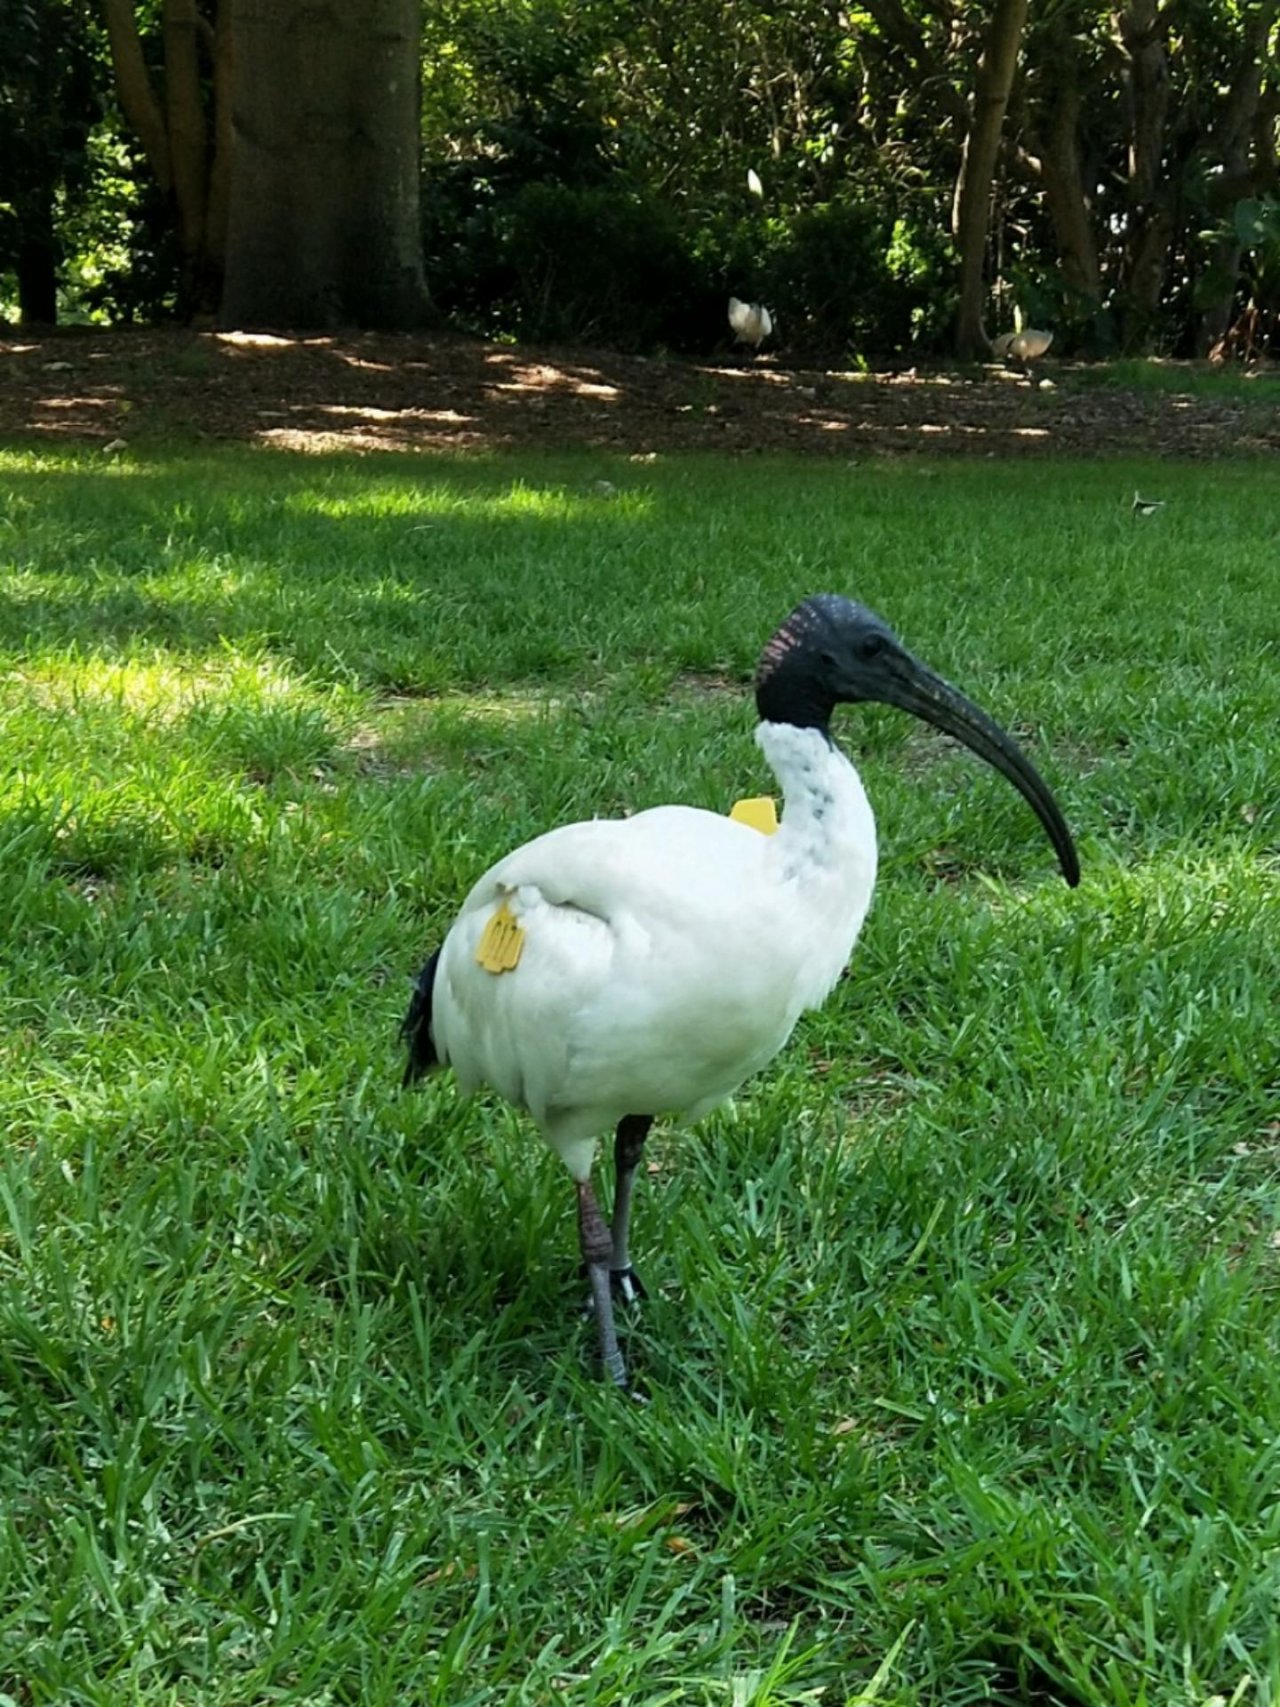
672, 856
636, 988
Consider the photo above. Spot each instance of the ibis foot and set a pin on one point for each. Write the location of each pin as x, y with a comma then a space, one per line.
627, 1285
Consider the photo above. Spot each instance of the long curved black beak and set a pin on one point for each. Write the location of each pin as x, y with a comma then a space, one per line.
914, 687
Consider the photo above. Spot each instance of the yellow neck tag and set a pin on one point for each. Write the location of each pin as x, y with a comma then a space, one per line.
758, 813
501, 942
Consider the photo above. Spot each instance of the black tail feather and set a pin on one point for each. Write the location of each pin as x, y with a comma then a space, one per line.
415, 1028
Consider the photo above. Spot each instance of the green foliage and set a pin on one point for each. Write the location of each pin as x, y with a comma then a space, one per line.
597, 264
130, 267
854, 276
554, 262
1257, 223
70, 180
602, 190
585, 171
50, 100
1257, 226
962, 1343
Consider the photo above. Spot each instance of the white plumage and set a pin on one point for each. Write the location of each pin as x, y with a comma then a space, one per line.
751, 322
1025, 347
611, 971
666, 956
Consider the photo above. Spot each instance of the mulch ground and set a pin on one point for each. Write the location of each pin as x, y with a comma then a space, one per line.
364, 391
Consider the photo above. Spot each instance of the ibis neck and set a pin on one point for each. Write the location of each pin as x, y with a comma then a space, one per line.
827, 820
793, 696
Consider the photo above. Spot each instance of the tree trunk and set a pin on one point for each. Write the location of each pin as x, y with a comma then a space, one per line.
174, 134
188, 142
323, 223
971, 214
133, 86
1062, 174
1151, 223
1072, 225
1266, 135
1218, 298
1231, 147
220, 168
36, 262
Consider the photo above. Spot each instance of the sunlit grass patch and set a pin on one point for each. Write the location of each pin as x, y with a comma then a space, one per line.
75, 459
521, 501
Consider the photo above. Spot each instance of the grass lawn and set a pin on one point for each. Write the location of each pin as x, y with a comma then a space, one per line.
962, 1343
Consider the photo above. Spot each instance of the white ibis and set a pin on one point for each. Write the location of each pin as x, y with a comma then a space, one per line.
751, 322
1023, 347
611, 971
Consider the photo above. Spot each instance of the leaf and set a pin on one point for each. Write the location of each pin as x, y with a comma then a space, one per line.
452, 1568
1257, 221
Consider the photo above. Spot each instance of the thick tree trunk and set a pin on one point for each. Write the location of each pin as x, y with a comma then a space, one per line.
971, 215
323, 220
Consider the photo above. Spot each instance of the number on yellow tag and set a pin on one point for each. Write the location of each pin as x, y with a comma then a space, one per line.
758, 813
501, 942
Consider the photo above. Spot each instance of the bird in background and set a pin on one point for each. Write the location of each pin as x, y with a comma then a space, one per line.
1021, 347
611, 971
751, 322
1024, 345
1146, 506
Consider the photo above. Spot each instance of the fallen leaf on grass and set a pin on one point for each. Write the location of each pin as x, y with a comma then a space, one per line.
442, 1573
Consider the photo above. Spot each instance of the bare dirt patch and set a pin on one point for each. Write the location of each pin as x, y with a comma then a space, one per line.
371, 392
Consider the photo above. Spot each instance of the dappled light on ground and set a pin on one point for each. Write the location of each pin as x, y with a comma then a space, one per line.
367, 392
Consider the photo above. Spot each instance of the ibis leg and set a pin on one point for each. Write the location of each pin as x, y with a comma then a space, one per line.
597, 1249
628, 1145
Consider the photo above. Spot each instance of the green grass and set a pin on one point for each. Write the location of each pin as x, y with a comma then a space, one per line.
1227, 383
962, 1349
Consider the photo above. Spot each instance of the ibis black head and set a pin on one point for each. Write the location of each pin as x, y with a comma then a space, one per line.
831, 651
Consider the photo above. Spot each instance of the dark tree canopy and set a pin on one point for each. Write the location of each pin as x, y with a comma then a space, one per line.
903, 176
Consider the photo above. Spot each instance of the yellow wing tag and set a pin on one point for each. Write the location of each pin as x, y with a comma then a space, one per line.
758, 813
501, 942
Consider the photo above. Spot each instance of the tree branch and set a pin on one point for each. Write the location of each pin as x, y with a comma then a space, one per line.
902, 31
133, 85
